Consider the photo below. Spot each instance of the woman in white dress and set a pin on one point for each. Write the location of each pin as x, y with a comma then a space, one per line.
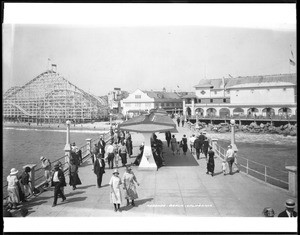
12, 187
115, 190
129, 180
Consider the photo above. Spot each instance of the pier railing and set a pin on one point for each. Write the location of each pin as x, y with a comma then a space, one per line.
39, 178
257, 170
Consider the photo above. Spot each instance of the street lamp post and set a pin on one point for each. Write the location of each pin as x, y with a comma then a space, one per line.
67, 148
232, 126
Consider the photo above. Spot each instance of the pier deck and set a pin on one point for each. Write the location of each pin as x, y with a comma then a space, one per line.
181, 188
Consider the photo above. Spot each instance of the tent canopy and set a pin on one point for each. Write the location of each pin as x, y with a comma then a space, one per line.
149, 123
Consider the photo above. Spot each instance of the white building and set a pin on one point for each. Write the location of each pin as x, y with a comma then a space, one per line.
269, 95
143, 101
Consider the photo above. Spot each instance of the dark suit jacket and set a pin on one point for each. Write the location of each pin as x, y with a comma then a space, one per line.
284, 214
197, 143
97, 169
101, 145
61, 178
168, 135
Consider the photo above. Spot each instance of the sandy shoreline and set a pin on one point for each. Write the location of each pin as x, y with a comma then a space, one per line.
105, 126
62, 126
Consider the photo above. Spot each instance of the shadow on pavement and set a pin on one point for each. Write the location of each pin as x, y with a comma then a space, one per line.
87, 186
178, 159
73, 193
75, 199
137, 203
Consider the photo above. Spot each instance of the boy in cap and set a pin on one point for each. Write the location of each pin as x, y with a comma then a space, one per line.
289, 211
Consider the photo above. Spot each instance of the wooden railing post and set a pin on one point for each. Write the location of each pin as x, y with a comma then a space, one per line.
247, 167
265, 173
292, 180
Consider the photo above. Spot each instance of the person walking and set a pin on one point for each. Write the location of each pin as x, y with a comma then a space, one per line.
99, 169
46, 165
128, 144
178, 120
25, 181
116, 153
129, 180
210, 162
201, 138
289, 209
110, 156
123, 153
115, 190
173, 144
235, 162
197, 146
12, 188
205, 147
192, 140
58, 181
73, 174
168, 137
230, 158
94, 153
101, 146
182, 118
184, 144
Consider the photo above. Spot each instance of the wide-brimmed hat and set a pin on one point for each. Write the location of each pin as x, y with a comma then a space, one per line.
290, 203
116, 171
42, 158
13, 171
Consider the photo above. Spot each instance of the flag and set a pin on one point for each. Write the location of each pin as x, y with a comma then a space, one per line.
292, 54
230, 75
292, 62
54, 65
177, 86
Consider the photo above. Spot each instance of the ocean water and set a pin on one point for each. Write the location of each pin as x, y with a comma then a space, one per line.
23, 146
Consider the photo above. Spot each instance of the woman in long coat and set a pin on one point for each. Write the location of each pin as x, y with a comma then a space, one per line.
211, 162
12, 187
73, 172
115, 190
173, 144
129, 181
184, 144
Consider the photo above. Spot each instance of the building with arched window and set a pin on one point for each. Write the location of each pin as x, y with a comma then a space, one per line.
268, 96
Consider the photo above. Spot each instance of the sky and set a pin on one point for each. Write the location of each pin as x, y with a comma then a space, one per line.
149, 48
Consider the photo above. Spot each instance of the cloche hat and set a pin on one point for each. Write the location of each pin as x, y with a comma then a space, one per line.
13, 171
115, 171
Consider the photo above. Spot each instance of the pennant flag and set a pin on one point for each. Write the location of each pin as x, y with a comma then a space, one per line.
54, 65
177, 86
292, 54
230, 76
292, 62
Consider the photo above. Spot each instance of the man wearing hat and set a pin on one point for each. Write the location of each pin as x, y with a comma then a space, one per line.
58, 180
46, 165
230, 158
99, 167
197, 146
101, 145
289, 211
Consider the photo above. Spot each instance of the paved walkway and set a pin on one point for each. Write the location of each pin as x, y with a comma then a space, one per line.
181, 188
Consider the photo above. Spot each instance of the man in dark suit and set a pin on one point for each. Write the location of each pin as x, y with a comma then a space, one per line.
201, 138
99, 167
168, 137
289, 211
58, 181
197, 146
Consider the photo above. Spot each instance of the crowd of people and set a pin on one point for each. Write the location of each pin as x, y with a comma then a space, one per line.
119, 150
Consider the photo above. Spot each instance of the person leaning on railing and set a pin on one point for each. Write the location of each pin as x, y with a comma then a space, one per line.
46, 165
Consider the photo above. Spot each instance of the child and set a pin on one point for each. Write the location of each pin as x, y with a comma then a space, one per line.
224, 167
178, 147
